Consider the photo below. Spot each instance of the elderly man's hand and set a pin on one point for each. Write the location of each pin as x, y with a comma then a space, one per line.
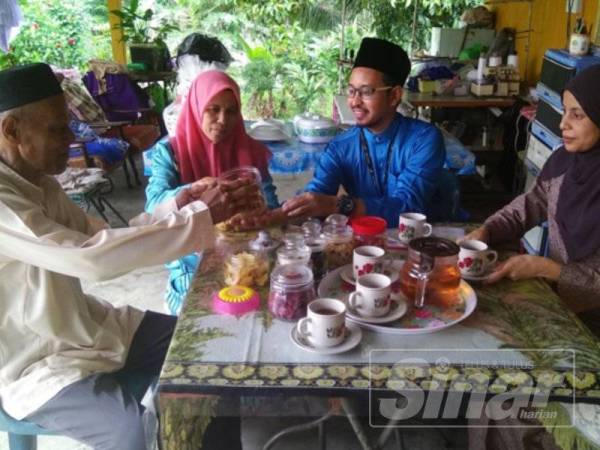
203, 183
222, 201
526, 266
480, 234
310, 204
257, 219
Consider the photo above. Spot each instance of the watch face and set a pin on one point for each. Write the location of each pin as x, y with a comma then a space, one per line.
346, 205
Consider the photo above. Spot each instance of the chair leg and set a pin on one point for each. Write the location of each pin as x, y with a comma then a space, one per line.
99, 207
304, 427
126, 170
104, 201
134, 169
21, 442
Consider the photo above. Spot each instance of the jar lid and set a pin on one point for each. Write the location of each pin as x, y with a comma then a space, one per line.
336, 227
264, 242
434, 246
369, 225
242, 172
293, 239
311, 228
292, 276
300, 254
337, 220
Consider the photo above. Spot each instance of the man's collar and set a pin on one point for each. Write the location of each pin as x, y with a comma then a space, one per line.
27, 187
389, 132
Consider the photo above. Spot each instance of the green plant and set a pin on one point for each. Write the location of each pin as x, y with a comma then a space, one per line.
142, 27
64, 34
292, 64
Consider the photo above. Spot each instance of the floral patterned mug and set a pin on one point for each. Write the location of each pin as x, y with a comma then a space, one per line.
413, 225
475, 259
368, 259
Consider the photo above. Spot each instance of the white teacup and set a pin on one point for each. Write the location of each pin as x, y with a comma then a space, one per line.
324, 323
372, 295
368, 259
475, 259
413, 225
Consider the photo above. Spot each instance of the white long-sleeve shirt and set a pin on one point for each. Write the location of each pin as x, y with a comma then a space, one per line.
51, 333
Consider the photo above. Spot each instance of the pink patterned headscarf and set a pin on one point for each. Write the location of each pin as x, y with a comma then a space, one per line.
196, 155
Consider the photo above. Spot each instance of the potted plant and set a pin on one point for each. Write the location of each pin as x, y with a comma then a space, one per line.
145, 35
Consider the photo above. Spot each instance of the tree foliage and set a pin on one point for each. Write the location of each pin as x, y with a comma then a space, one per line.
289, 50
286, 51
66, 33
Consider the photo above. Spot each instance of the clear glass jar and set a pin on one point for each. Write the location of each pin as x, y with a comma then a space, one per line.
316, 243
243, 266
369, 230
294, 250
430, 274
338, 241
245, 173
292, 289
266, 245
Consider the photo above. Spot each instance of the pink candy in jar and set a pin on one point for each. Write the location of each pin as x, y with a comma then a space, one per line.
292, 288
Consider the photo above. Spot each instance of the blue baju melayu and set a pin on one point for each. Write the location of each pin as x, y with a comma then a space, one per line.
405, 181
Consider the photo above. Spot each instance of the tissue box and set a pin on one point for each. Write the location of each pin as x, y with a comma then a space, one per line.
502, 89
482, 90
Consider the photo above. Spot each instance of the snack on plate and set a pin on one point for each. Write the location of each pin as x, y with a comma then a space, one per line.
247, 269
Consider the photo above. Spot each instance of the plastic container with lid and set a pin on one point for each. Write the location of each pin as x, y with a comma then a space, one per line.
316, 243
339, 243
235, 300
292, 288
369, 230
294, 250
245, 173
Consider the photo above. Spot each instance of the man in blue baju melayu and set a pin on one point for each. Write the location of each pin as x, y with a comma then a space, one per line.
387, 164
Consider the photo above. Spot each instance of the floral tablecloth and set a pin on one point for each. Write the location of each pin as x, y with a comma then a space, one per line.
521, 338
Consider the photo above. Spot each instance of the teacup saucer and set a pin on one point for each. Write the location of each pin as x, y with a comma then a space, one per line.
397, 310
351, 340
347, 274
470, 277
395, 243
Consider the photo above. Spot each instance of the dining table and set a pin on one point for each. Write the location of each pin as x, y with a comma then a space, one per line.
509, 340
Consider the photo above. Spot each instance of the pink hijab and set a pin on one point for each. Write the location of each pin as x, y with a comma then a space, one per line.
196, 155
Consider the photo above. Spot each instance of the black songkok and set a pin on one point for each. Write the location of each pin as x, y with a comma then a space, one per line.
22, 85
385, 57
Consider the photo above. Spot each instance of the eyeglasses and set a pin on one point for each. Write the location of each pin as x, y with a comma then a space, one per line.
365, 91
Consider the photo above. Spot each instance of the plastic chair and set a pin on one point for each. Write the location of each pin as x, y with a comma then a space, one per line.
22, 435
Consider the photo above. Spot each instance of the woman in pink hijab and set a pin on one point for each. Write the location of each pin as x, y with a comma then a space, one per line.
210, 138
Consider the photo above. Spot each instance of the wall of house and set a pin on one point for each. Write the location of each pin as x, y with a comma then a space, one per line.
548, 23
